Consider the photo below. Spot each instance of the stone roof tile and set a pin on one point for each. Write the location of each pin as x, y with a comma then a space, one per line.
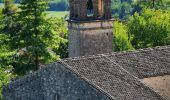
117, 74
144, 63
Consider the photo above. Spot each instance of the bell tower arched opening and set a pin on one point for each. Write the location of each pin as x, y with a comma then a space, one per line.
90, 10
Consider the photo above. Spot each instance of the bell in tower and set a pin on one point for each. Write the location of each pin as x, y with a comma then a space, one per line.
90, 27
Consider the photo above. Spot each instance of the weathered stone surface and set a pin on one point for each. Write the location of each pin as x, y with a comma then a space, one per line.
28, 88
90, 38
100, 77
101, 9
111, 78
53, 83
160, 84
144, 63
92, 33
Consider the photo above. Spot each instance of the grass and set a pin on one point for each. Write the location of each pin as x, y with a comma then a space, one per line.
58, 14
1, 5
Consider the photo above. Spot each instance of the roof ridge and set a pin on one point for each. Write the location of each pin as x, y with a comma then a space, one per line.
133, 76
96, 86
142, 50
120, 52
85, 79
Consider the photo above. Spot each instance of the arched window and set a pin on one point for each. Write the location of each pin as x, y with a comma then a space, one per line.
90, 11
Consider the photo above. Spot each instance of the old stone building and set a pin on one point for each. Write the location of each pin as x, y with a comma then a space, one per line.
133, 75
90, 27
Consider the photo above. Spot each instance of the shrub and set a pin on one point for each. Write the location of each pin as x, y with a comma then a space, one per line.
150, 29
121, 40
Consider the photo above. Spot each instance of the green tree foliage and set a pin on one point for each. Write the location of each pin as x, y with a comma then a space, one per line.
33, 38
61, 28
9, 8
6, 23
35, 41
150, 29
122, 8
121, 41
28, 34
4, 79
5, 58
9, 12
156, 4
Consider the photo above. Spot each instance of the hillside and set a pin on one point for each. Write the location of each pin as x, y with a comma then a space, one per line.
62, 5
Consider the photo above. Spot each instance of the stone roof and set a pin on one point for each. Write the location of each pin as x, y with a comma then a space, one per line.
144, 63
118, 74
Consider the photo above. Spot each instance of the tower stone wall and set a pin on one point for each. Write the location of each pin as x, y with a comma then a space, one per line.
90, 37
101, 9
90, 27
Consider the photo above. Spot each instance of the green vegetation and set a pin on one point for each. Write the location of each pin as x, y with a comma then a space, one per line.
122, 9
58, 14
31, 36
34, 39
156, 4
29, 39
4, 79
5, 51
150, 29
1, 5
121, 40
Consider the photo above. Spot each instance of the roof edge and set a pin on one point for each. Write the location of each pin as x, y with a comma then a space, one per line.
112, 53
85, 79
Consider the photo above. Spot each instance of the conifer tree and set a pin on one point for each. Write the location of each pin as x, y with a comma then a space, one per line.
7, 27
35, 37
5, 55
9, 7
8, 13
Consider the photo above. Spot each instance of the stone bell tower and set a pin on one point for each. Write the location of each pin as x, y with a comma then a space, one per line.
90, 27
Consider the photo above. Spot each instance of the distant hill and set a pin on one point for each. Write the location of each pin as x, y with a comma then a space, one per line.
55, 5
120, 8
51, 0
58, 5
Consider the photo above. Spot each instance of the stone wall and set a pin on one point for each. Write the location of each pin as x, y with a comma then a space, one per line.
63, 84
90, 38
160, 84
101, 9
52, 83
27, 88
